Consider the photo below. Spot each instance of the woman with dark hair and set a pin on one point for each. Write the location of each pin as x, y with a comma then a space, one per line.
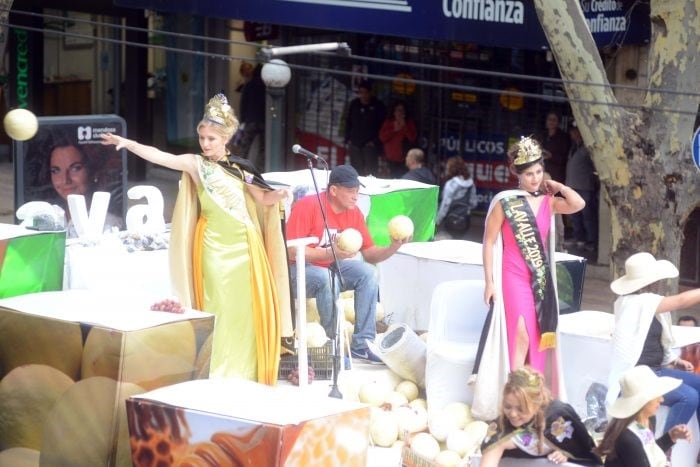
71, 173
398, 134
458, 199
227, 253
533, 425
629, 440
518, 258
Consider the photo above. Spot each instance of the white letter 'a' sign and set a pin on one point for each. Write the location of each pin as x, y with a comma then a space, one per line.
145, 217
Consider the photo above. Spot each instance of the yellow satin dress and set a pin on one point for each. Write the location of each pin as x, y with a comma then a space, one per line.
233, 280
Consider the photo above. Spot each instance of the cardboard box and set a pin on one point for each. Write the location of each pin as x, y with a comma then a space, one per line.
30, 261
232, 422
69, 359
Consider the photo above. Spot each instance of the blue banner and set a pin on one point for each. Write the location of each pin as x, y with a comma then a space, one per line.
497, 23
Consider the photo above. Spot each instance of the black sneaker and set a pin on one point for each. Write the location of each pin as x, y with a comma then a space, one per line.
366, 355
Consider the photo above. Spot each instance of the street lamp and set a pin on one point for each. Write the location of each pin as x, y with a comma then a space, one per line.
276, 75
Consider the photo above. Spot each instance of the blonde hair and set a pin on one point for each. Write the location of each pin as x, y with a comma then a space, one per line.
527, 385
219, 115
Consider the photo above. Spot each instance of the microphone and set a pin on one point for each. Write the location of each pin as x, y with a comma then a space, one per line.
297, 149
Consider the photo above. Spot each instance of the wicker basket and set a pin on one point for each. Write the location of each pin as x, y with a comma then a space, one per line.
409, 458
320, 358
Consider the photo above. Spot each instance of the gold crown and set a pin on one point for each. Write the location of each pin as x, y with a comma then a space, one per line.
218, 111
523, 378
528, 151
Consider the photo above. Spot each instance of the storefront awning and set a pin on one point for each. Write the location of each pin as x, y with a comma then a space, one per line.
497, 23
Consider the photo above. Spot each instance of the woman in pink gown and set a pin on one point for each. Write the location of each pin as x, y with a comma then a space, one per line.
518, 259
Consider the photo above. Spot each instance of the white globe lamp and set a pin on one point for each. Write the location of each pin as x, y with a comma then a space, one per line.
276, 73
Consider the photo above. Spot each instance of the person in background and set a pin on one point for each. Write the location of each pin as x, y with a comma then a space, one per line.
398, 133
580, 175
643, 335
687, 320
629, 438
518, 259
415, 158
227, 252
250, 138
364, 119
533, 425
555, 145
339, 203
458, 199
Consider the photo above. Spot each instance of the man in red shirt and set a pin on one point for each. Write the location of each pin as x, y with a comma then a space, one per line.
340, 205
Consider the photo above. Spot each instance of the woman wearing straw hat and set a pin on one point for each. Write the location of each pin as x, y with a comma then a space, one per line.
642, 333
628, 440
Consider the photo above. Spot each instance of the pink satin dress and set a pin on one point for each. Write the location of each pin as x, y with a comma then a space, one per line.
518, 299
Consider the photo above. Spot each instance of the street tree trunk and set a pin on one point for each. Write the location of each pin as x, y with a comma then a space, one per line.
642, 153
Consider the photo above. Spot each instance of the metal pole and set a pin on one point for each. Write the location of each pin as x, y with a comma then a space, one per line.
274, 130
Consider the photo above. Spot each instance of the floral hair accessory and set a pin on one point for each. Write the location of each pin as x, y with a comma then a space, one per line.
218, 111
528, 151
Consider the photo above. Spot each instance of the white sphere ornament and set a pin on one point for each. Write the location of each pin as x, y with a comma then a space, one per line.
276, 73
20, 124
350, 240
400, 227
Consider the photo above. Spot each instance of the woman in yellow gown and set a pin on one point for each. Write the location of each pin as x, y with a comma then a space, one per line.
227, 252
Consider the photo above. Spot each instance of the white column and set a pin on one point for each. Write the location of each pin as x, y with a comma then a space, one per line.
300, 245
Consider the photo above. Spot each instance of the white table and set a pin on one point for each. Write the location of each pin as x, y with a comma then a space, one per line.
407, 279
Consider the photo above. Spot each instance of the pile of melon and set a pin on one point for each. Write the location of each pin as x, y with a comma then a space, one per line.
445, 436
62, 388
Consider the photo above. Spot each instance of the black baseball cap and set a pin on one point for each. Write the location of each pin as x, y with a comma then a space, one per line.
344, 175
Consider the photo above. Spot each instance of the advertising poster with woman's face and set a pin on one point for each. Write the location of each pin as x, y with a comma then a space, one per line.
65, 157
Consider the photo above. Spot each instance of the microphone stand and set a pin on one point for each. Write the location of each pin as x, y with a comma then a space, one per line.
336, 284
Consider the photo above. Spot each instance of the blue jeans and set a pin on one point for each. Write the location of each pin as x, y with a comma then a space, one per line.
358, 276
683, 401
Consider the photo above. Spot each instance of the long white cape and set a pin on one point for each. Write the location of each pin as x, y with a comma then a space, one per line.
495, 366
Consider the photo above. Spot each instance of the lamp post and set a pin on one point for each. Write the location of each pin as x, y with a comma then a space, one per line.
276, 75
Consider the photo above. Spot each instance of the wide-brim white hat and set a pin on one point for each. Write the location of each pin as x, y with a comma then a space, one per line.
642, 269
640, 385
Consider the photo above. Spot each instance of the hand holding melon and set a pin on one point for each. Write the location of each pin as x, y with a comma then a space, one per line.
401, 228
350, 241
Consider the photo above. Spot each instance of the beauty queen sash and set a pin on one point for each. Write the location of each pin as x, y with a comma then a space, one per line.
527, 236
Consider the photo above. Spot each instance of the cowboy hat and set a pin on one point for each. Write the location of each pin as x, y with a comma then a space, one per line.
641, 269
640, 385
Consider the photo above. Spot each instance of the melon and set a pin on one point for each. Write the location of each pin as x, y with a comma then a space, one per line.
86, 424
448, 458
425, 446
315, 335
151, 358
408, 389
27, 395
350, 240
383, 428
20, 124
19, 457
26, 339
400, 227
349, 309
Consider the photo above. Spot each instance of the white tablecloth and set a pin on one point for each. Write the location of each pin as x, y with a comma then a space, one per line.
407, 279
143, 273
